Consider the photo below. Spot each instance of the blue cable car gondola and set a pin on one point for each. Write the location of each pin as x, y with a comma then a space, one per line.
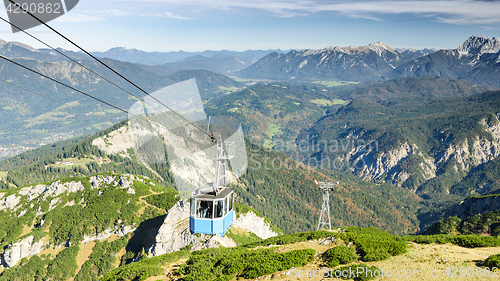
212, 205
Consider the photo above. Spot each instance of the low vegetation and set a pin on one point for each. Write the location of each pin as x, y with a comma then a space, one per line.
340, 255
144, 268
492, 261
228, 263
486, 224
467, 241
101, 259
165, 200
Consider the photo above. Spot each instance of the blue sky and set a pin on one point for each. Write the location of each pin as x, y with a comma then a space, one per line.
196, 25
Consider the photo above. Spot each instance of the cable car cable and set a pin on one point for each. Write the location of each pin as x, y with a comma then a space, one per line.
98, 60
68, 86
49, 98
75, 61
61, 53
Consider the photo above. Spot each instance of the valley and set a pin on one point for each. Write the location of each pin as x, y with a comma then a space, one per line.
410, 137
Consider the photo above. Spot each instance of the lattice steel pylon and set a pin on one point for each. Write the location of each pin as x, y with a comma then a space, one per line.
324, 217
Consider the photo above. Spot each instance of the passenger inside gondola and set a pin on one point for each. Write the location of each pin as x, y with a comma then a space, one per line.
219, 209
204, 209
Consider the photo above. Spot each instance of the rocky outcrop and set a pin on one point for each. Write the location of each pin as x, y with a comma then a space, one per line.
123, 181
53, 190
174, 234
386, 163
9, 202
474, 206
121, 230
469, 153
19, 250
253, 223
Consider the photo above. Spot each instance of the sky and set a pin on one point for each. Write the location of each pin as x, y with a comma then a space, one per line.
197, 25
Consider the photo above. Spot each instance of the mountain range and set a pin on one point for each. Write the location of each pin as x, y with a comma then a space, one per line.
406, 151
220, 62
36, 107
476, 60
367, 63
158, 58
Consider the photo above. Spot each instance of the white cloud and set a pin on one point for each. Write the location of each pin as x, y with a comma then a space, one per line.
78, 17
164, 15
449, 11
95, 16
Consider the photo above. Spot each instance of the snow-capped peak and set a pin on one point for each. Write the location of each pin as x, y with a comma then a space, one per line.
379, 47
308, 52
480, 45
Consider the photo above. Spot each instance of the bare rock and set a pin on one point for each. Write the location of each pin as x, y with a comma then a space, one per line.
33, 191
474, 206
19, 250
118, 230
253, 223
9, 202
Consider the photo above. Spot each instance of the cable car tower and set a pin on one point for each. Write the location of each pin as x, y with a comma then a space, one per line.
324, 217
212, 205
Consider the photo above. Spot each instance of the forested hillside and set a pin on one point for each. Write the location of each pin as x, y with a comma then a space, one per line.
428, 147
274, 113
274, 184
35, 108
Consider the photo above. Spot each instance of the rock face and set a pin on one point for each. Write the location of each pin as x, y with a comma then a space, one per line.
53, 194
24, 248
253, 223
9, 202
474, 206
480, 45
175, 234
118, 230
387, 166
364, 63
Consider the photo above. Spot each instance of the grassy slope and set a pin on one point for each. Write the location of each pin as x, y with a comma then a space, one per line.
71, 215
374, 248
279, 192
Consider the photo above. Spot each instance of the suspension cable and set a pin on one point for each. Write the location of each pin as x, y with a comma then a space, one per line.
107, 66
49, 98
66, 85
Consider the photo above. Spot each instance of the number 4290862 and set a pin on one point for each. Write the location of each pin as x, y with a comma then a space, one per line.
34, 8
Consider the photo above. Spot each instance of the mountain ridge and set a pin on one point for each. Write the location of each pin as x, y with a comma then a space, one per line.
476, 60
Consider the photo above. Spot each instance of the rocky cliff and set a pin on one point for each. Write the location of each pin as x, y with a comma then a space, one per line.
474, 206
460, 157
174, 234
27, 209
